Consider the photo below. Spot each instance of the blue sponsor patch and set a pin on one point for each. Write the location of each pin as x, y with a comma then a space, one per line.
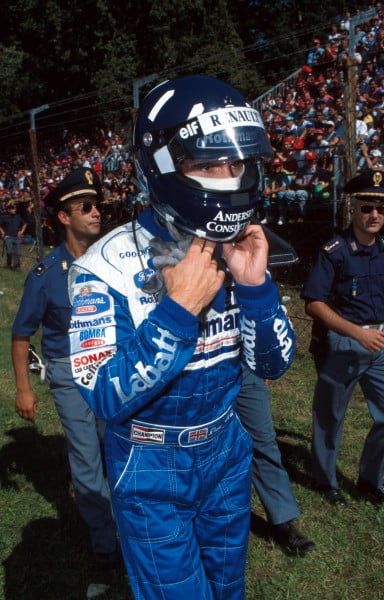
87, 302
142, 276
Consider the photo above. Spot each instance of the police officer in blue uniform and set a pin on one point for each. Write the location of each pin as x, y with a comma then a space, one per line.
45, 301
269, 477
344, 293
12, 227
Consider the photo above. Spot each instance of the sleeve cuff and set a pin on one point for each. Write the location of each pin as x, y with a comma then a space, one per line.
173, 317
261, 300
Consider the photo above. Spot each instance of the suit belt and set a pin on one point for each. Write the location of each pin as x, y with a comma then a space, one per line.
153, 433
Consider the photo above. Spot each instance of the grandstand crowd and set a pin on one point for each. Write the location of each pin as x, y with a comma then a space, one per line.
304, 118
107, 152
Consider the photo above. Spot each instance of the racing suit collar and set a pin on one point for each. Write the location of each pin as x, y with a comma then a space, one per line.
149, 221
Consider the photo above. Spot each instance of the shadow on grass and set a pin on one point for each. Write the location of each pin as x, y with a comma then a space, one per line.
41, 460
44, 565
52, 560
296, 458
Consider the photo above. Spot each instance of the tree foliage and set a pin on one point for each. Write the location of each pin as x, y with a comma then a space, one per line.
53, 50
279, 34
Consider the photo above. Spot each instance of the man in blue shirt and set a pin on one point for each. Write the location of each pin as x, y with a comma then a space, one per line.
344, 293
316, 53
45, 301
12, 227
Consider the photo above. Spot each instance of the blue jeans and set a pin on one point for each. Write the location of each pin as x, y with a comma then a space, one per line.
288, 198
12, 248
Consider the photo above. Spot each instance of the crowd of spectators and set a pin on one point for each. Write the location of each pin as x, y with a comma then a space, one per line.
108, 152
305, 120
304, 117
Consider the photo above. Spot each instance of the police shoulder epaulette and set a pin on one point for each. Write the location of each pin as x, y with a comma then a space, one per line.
45, 264
333, 245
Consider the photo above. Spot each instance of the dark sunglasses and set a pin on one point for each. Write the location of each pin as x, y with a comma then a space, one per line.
84, 207
368, 208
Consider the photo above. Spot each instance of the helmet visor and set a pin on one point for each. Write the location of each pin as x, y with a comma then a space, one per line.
219, 135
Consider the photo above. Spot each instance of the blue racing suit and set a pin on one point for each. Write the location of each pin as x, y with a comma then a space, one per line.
166, 382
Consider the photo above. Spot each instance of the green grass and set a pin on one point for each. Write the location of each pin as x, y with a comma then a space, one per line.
43, 543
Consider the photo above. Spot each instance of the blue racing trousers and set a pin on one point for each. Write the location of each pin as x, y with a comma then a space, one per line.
182, 509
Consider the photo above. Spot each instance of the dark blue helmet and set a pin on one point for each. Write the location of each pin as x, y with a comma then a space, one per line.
206, 120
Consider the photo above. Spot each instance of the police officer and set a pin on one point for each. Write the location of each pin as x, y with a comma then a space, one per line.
269, 477
45, 301
344, 293
12, 227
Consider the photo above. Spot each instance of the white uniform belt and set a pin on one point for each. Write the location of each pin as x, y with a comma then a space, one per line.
152, 433
379, 326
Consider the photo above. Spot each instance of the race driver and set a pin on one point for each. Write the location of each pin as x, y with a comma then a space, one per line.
164, 311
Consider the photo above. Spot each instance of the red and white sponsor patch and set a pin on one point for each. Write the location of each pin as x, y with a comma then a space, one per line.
92, 343
85, 309
147, 434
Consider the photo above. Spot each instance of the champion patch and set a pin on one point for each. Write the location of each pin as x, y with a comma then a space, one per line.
147, 434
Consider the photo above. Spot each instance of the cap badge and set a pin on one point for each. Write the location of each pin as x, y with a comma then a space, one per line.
377, 179
88, 177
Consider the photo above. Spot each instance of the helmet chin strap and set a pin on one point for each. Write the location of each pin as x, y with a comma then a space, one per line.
165, 253
177, 234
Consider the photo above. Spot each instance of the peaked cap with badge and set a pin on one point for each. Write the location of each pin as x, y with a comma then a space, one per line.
368, 185
79, 183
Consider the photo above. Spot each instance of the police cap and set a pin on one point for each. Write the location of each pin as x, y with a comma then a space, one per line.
81, 182
368, 185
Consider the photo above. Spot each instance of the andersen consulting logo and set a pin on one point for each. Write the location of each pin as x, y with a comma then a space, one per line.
225, 222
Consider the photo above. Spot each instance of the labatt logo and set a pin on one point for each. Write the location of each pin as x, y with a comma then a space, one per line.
147, 376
